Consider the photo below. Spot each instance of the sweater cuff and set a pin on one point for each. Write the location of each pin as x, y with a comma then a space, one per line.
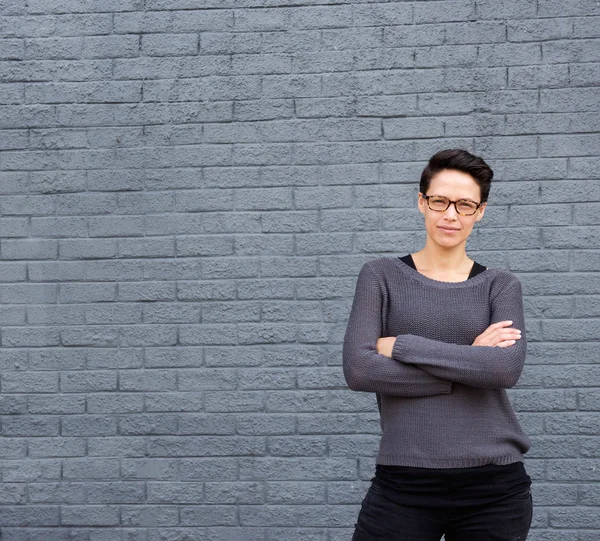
398, 347
398, 351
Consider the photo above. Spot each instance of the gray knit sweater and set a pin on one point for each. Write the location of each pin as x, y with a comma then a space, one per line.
443, 402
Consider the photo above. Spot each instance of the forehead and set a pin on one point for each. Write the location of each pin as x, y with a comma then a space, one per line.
454, 184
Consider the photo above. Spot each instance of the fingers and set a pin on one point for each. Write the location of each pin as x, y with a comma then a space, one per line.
505, 343
496, 326
498, 334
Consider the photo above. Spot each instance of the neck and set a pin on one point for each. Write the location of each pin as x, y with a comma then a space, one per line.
435, 259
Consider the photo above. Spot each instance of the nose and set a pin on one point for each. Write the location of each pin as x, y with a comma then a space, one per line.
450, 212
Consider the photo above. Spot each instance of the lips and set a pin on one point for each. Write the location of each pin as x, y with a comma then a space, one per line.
448, 229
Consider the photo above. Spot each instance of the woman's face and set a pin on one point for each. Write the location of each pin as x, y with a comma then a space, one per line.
449, 229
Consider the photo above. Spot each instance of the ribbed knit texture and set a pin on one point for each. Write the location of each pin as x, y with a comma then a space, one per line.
443, 402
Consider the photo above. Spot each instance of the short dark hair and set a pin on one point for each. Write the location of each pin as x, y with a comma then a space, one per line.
459, 160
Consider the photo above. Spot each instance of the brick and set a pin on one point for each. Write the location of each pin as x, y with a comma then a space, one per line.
175, 225
224, 356
144, 425
149, 335
88, 292
30, 382
569, 330
29, 249
578, 145
112, 493
147, 380
13, 494
110, 403
110, 47
568, 191
230, 401
125, 91
584, 75
207, 424
325, 107
38, 425
552, 8
29, 516
106, 446
209, 469
297, 446
538, 29
54, 48
531, 215
12, 405
586, 306
13, 182
88, 425
206, 446
111, 359
89, 336
57, 359
108, 271
548, 307
90, 515
338, 61
173, 358
264, 109
146, 291
216, 290
305, 469
169, 44
57, 447
87, 248
584, 27
31, 471
59, 227
234, 493
144, 203
30, 337
57, 404
161, 402
574, 518
116, 313
169, 492
536, 76
88, 381
216, 515
12, 49
579, 237
557, 100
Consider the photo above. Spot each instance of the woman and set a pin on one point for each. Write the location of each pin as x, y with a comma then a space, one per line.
440, 338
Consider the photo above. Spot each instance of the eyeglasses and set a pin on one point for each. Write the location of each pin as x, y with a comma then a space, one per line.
439, 203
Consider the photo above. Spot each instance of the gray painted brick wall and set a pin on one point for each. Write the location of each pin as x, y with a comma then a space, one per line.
188, 189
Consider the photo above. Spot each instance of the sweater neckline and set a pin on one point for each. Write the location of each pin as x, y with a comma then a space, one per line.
416, 275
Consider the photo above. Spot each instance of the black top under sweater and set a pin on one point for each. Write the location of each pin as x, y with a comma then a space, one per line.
451, 487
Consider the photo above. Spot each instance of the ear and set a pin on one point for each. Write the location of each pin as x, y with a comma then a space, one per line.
421, 203
481, 211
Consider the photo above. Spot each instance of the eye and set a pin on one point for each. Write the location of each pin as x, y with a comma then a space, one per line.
466, 204
438, 200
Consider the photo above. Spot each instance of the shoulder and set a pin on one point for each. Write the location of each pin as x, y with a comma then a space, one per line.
381, 266
503, 281
378, 271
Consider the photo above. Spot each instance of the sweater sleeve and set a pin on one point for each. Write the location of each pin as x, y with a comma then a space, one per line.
477, 366
364, 368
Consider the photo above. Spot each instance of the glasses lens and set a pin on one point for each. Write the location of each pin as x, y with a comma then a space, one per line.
466, 207
437, 202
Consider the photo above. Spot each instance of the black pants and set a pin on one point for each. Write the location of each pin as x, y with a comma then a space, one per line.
385, 520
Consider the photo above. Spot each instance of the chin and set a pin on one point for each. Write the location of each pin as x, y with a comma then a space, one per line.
449, 243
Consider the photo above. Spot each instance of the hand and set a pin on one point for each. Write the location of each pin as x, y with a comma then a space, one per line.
385, 345
499, 334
